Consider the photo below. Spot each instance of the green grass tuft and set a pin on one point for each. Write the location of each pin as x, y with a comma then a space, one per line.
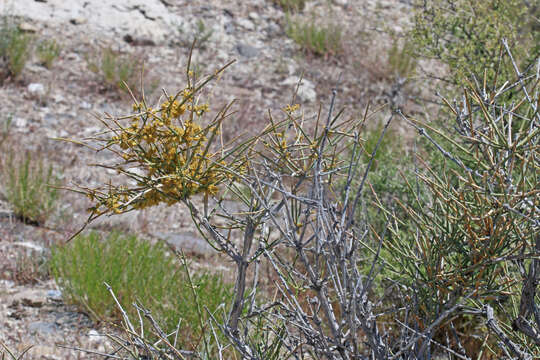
47, 51
15, 49
28, 185
320, 40
137, 271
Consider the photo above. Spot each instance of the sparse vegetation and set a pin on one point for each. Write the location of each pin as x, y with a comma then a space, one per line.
291, 5
466, 36
313, 38
120, 71
15, 49
344, 240
438, 256
200, 37
138, 272
29, 186
47, 51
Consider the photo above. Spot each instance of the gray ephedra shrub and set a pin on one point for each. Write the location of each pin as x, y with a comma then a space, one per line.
463, 249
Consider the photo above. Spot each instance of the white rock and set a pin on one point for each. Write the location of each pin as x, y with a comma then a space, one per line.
246, 24
29, 245
36, 89
306, 90
20, 122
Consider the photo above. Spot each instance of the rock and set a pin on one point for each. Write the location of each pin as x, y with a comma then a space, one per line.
253, 16
186, 241
135, 41
30, 245
20, 123
246, 24
73, 57
28, 27
30, 298
36, 89
247, 50
42, 327
306, 91
55, 295
79, 20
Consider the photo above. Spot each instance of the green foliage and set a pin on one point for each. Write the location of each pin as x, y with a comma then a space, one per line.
28, 186
47, 51
401, 63
201, 35
137, 271
15, 49
473, 211
5, 127
466, 36
320, 40
119, 71
291, 5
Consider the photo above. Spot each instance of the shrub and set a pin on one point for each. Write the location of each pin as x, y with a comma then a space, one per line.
15, 48
138, 272
321, 40
466, 36
465, 241
29, 186
47, 52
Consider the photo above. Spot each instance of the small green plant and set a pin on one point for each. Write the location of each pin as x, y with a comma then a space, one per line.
320, 40
203, 34
15, 49
137, 271
198, 37
47, 52
30, 268
29, 186
119, 71
401, 63
5, 127
291, 5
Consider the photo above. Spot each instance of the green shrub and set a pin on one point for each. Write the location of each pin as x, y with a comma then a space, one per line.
137, 271
15, 48
47, 52
28, 185
320, 40
466, 36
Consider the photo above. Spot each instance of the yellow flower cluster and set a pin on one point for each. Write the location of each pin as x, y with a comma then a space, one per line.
173, 151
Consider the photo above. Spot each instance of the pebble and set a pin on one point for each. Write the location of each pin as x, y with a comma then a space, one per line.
42, 327
246, 24
36, 89
28, 27
55, 295
79, 20
247, 50
306, 91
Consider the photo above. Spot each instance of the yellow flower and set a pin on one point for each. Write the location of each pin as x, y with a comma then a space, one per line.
291, 108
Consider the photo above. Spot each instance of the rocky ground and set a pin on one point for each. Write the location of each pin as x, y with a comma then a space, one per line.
61, 102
